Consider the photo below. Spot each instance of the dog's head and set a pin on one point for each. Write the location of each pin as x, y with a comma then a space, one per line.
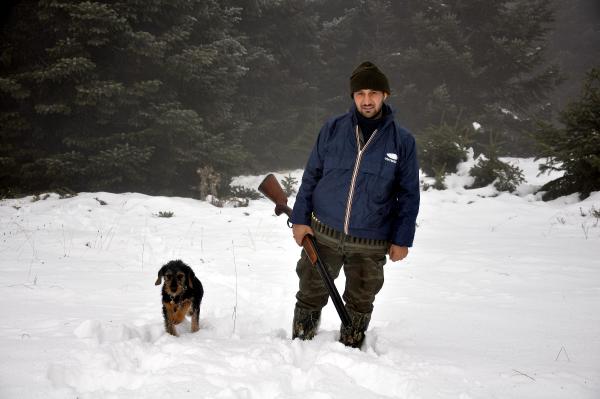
178, 277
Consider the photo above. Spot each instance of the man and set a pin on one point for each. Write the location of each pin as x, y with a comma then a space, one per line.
359, 197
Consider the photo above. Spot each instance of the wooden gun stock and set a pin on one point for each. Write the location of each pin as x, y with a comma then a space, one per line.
271, 189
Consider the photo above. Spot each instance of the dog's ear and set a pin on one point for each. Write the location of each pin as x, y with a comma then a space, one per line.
191, 277
161, 273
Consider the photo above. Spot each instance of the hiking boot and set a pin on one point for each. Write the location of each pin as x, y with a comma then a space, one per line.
354, 334
305, 323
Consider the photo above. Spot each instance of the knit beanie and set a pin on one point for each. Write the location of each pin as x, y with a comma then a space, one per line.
368, 76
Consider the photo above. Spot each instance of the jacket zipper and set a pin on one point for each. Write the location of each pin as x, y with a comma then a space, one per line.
354, 175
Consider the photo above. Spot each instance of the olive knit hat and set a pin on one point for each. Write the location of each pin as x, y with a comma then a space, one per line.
368, 76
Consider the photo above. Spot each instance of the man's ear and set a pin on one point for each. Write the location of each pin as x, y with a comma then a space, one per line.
161, 273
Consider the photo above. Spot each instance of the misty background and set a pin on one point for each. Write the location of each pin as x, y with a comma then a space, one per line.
174, 97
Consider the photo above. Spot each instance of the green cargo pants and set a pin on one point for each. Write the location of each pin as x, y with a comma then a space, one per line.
363, 268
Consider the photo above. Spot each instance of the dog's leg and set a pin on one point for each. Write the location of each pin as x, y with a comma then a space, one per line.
169, 326
195, 318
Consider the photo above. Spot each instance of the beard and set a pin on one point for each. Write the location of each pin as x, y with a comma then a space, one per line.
370, 111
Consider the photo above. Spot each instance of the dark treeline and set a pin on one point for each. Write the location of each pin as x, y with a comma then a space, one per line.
153, 95
574, 44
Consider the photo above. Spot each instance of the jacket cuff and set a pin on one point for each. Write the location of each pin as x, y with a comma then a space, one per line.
404, 237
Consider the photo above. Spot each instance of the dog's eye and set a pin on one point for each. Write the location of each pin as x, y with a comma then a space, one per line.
168, 276
180, 277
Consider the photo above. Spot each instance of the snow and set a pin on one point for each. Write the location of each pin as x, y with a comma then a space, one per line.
499, 298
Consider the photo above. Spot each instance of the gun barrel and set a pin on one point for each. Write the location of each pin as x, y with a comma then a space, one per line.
310, 247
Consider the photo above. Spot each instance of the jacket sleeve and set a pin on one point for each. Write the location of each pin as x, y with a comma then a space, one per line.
408, 197
303, 207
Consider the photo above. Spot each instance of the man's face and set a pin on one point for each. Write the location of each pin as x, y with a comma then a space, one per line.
369, 102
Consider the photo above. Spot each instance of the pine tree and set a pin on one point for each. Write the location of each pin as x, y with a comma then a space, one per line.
441, 148
277, 96
575, 45
119, 95
575, 148
490, 169
446, 60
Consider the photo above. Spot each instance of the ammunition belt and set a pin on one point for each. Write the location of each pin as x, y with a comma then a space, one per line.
321, 228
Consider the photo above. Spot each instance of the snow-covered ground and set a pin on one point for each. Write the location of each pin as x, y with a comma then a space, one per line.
499, 298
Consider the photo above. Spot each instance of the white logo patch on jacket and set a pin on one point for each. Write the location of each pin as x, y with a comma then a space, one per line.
391, 157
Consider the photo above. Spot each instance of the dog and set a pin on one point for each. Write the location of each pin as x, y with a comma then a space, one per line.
182, 294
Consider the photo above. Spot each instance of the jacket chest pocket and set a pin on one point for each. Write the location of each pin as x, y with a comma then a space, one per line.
378, 175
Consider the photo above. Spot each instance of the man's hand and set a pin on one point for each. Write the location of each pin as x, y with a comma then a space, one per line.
299, 231
397, 252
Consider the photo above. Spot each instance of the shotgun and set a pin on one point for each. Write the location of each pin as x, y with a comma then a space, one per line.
272, 190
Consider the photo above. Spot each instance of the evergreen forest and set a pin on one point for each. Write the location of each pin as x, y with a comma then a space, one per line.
155, 96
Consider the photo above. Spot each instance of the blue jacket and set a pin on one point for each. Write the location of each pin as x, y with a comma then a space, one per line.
373, 193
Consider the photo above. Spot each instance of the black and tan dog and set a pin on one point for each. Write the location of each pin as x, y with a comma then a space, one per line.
182, 294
